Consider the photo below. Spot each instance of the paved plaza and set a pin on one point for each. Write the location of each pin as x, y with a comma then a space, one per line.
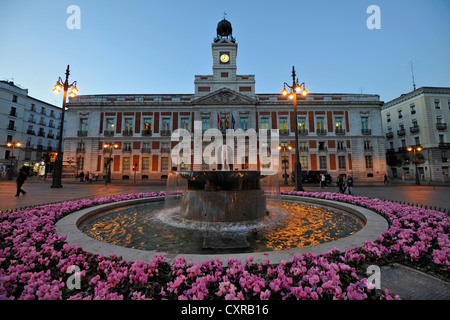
40, 192
409, 283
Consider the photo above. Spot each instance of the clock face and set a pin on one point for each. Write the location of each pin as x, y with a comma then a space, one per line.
224, 58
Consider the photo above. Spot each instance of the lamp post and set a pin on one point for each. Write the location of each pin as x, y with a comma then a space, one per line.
11, 157
109, 147
57, 172
284, 147
415, 161
294, 89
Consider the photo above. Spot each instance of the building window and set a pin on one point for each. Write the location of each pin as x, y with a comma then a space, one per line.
165, 126
185, 123
83, 125
448, 104
322, 145
301, 124
341, 161
205, 124
283, 125
437, 104
126, 163
127, 147
110, 125
367, 145
164, 163
147, 126
340, 145
369, 162
338, 126
439, 119
304, 162
145, 163
43, 110
14, 98
80, 163
417, 141
13, 112
244, 123
413, 109
264, 123
320, 123
128, 126
323, 162
388, 117
400, 115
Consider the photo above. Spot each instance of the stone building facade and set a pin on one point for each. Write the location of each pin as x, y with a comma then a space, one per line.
339, 133
33, 125
418, 118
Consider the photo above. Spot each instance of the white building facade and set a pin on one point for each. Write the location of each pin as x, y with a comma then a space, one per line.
338, 133
418, 118
31, 125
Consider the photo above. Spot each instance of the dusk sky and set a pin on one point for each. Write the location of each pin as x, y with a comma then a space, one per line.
152, 47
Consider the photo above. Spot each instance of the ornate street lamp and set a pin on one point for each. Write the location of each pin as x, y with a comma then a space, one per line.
284, 147
11, 157
294, 89
108, 147
57, 172
415, 161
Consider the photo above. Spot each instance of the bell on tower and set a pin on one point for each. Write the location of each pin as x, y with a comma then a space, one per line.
224, 31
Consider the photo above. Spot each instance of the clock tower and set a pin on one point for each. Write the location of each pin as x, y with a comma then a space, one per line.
224, 52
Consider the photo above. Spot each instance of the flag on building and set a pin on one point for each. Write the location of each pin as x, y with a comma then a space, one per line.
219, 121
233, 122
227, 123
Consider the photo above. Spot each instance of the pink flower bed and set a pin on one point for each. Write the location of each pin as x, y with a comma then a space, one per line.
36, 263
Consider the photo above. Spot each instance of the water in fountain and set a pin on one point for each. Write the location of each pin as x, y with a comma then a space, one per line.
219, 198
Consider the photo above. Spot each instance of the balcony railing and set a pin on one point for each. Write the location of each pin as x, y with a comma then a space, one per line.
81, 149
441, 126
389, 135
127, 133
401, 132
321, 131
13, 128
41, 134
444, 145
284, 132
126, 149
414, 129
146, 132
31, 132
51, 136
108, 133
166, 132
148, 150
82, 133
366, 132
403, 149
339, 131
13, 114
165, 149
303, 132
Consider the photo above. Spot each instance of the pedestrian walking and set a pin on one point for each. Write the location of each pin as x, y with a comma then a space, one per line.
20, 181
341, 183
350, 185
87, 176
386, 179
323, 181
81, 176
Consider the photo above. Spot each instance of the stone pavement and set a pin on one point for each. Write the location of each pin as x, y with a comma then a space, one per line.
398, 279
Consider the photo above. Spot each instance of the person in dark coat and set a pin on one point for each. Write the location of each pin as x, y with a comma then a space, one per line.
20, 181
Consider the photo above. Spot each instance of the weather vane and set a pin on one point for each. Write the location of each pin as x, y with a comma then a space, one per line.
224, 15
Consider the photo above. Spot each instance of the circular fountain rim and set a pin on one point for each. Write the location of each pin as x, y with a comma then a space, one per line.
68, 226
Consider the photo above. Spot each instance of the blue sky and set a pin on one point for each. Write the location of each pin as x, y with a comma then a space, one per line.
158, 46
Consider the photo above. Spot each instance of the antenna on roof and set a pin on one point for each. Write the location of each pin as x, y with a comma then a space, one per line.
411, 66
